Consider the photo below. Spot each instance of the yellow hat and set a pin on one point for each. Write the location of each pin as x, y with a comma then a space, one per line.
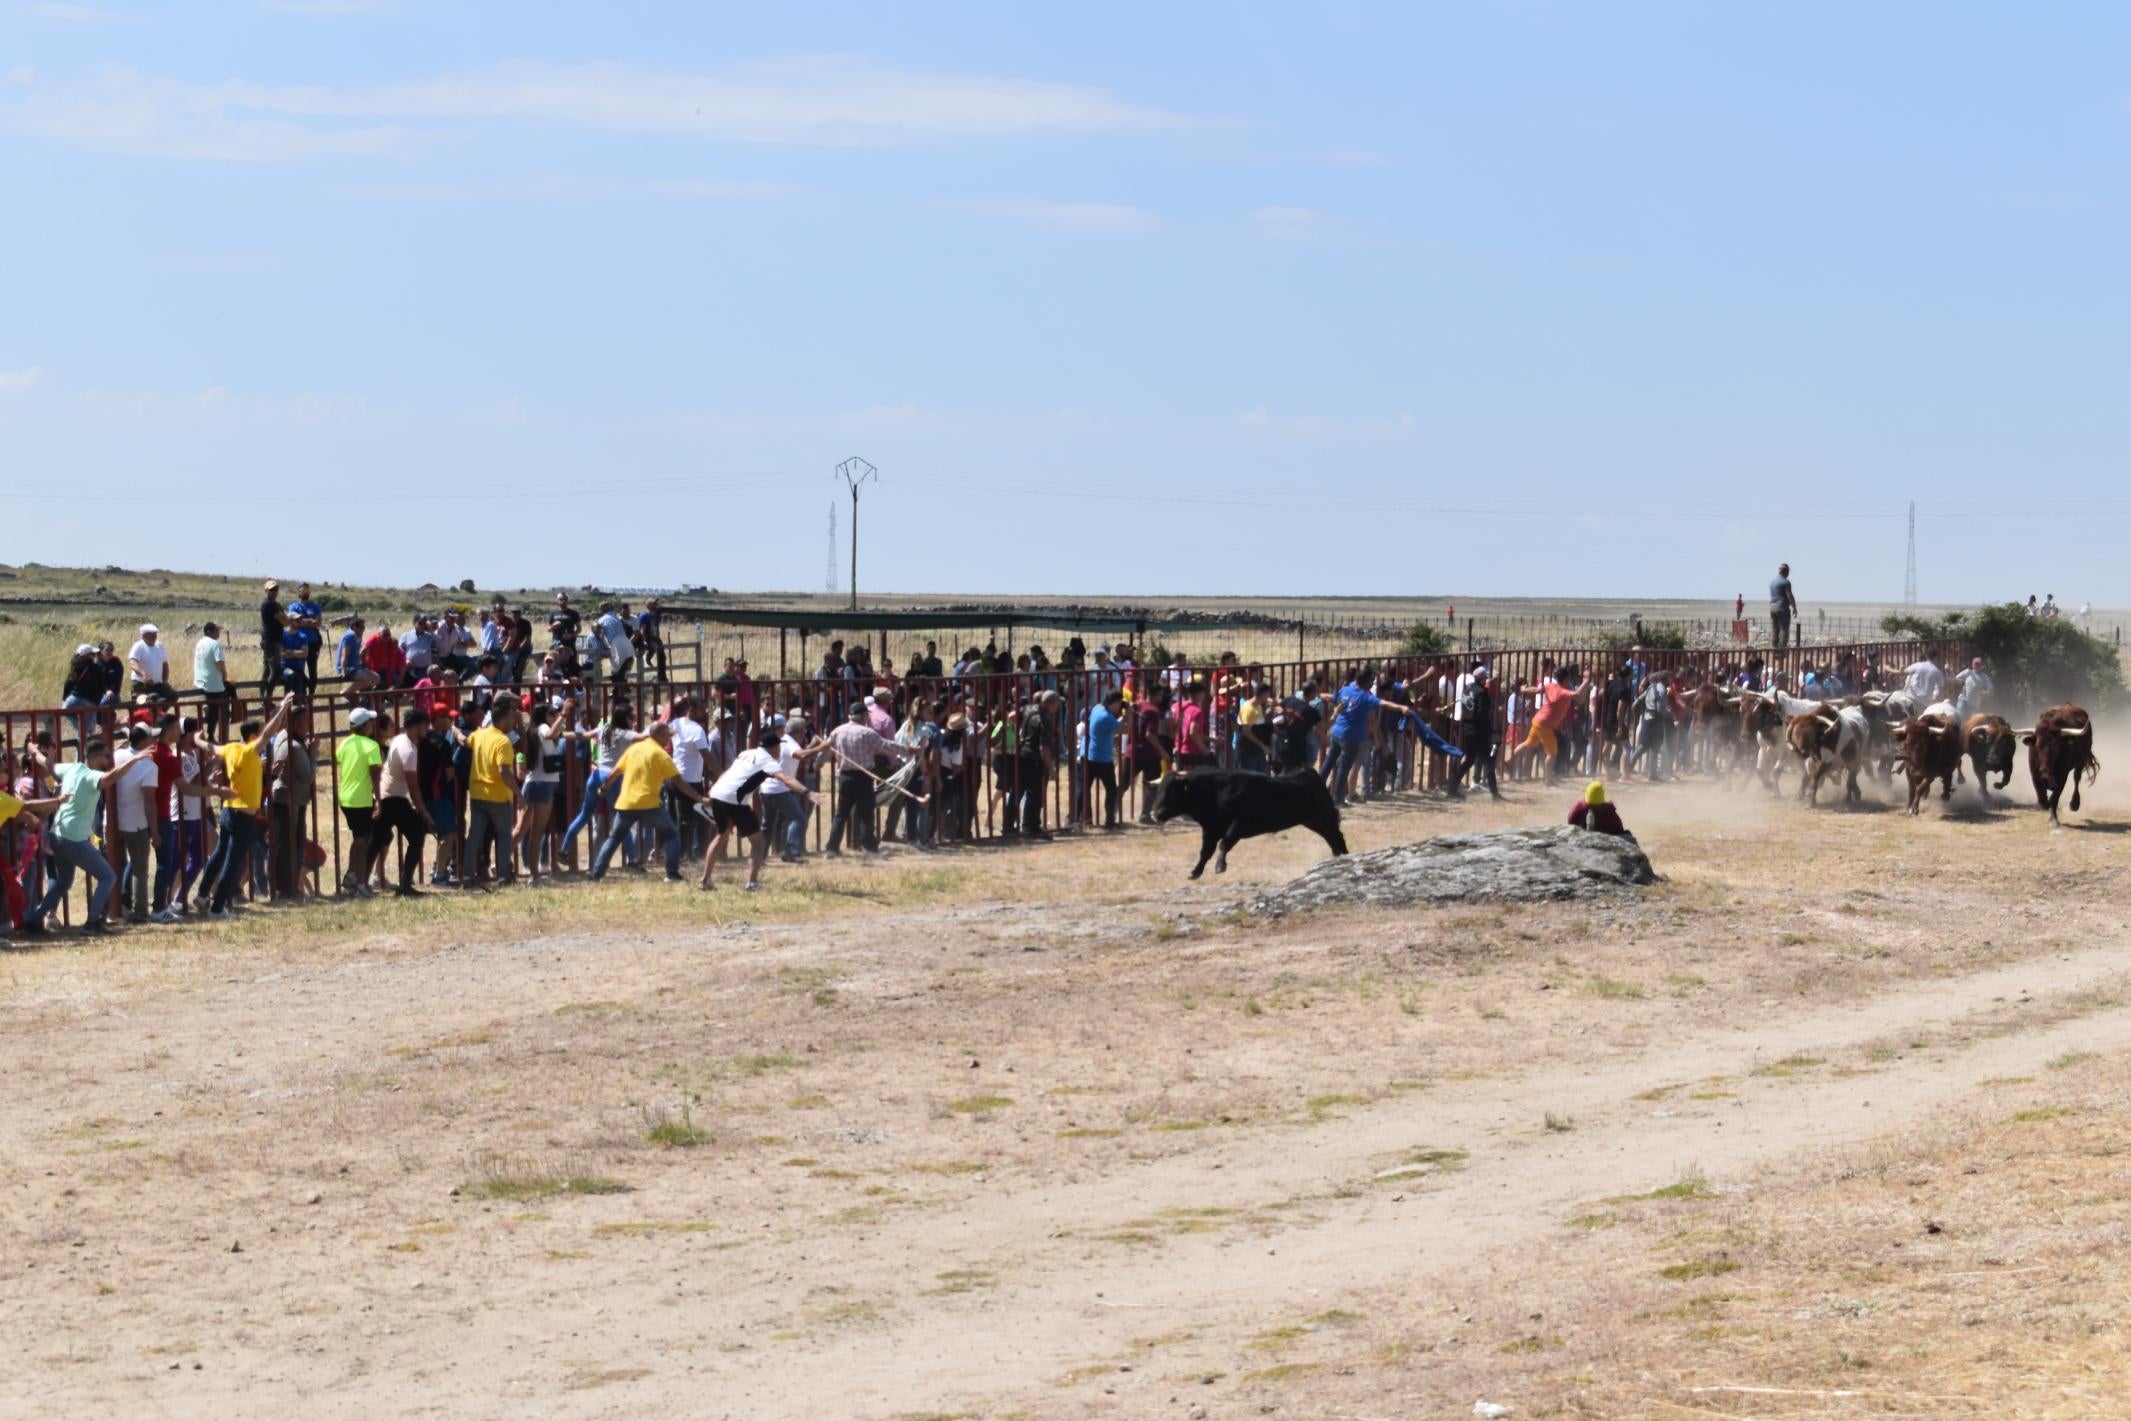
1596, 793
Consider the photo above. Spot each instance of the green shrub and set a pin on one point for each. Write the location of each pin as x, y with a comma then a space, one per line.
2035, 661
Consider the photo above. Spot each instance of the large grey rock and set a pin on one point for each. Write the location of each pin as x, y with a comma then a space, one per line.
1513, 865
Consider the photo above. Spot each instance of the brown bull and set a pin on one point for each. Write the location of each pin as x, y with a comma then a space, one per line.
1989, 741
2060, 750
1931, 750
1716, 727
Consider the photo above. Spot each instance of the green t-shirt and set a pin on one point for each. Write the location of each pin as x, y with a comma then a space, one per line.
356, 756
81, 788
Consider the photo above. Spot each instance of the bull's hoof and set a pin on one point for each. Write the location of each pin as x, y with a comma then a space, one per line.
1198, 871
1221, 867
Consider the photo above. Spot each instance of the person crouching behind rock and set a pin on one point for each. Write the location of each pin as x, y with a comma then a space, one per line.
1594, 813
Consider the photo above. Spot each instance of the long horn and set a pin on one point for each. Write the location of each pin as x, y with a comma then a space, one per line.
2075, 734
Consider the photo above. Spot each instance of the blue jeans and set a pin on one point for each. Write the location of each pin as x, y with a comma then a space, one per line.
166, 861
69, 855
595, 790
233, 855
625, 820
1346, 754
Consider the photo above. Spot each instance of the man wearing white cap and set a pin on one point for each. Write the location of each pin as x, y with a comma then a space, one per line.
149, 661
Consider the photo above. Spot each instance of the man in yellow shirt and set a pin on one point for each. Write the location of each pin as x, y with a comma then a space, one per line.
491, 796
645, 768
245, 777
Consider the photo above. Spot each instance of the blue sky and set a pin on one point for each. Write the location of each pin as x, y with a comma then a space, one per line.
1546, 299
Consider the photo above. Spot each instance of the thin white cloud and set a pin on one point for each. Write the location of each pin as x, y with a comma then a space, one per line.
65, 12
1328, 427
20, 382
1289, 222
574, 187
325, 9
833, 101
1074, 216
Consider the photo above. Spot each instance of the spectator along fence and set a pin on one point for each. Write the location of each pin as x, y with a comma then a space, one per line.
968, 802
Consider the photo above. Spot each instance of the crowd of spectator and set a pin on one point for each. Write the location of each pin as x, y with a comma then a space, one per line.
487, 754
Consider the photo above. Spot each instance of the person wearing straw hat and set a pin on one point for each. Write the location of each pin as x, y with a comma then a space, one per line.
1595, 813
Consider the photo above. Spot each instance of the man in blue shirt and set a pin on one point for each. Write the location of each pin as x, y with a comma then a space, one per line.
1351, 729
304, 615
1102, 753
348, 652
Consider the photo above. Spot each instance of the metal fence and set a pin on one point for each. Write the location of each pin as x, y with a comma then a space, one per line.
992, 792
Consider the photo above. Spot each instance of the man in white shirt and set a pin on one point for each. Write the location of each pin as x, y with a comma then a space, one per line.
1974, 687
132, 790
691, 755
1925, 682
149, 661
750, 770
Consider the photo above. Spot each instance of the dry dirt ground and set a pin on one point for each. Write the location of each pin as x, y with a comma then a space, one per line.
1831, 1122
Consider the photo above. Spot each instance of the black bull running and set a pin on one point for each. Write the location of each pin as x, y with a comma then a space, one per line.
1231, 805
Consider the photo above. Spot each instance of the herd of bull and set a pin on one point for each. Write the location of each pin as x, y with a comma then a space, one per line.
1770, 731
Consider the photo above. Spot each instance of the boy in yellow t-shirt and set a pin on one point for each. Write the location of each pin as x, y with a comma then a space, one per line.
244, 776
644, 770
492, 795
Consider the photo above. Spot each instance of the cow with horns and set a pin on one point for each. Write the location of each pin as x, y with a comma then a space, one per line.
1931, 750
1827, 739
1989, 741
2060, 751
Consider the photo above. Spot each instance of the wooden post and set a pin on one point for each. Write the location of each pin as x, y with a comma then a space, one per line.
782, 674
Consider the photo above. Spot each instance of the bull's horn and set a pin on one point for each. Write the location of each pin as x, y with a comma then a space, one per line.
2074, 734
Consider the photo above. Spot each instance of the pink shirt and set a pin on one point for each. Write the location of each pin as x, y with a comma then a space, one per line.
1190, 728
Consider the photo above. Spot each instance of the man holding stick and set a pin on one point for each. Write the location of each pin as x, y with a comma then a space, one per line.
855, 745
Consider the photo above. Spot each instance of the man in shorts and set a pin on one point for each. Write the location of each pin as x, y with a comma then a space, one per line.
1556, 702
731, 812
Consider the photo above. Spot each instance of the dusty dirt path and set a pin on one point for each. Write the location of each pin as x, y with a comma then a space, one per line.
1517, 1186
1250, 1232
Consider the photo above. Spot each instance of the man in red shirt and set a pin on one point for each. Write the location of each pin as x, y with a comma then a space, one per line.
1556, 702
382, 654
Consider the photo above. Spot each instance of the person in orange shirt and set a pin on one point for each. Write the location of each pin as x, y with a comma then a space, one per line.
1556, 703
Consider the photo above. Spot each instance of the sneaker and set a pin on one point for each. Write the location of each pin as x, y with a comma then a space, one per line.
408, 893
30, 929
96, 929
752, 887
675, 878
219, 915
165, 917
364, 890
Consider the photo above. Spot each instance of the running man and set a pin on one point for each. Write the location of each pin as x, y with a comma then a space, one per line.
730, 810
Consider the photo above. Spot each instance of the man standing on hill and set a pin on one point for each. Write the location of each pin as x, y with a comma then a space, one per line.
305, 615
210, 676
856, 745
1782, 607
271, 624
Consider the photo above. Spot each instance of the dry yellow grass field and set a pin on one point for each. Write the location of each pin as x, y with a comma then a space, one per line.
1828, 1123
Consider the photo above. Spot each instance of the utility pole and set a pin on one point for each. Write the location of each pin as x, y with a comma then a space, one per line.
1909, 582
830, 586
854, 471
